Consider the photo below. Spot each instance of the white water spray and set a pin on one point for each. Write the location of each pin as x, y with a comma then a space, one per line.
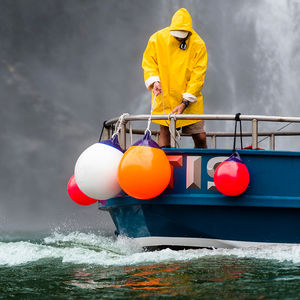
92, 249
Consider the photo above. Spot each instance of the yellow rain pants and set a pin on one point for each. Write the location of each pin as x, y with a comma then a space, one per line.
180, 72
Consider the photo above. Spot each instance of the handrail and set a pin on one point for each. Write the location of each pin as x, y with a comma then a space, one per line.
225, 134
174, 117
207, 117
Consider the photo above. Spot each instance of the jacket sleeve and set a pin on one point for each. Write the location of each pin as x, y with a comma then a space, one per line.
149, 64
196, 81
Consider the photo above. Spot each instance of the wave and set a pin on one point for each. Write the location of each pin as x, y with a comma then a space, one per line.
90, 248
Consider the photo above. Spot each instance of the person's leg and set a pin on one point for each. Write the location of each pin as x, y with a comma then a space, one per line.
199, 140
197, 131
164, 136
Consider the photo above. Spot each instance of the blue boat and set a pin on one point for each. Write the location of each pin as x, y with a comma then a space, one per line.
192, 213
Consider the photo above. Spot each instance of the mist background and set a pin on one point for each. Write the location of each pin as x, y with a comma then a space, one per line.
68, 65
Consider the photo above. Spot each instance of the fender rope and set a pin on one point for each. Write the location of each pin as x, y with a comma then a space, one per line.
237, 119
119, 124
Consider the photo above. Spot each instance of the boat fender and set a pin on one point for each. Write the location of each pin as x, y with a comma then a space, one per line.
231, 177
144, 171
96, 170
77, 195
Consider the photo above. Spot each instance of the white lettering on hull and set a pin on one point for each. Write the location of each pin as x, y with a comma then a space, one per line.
212, 165
193, 172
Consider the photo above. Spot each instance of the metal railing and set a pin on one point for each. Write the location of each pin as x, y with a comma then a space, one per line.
172, 118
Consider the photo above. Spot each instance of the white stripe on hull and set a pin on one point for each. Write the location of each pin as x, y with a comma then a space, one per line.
156, 241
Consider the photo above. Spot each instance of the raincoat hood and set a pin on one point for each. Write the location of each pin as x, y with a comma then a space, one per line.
182, 20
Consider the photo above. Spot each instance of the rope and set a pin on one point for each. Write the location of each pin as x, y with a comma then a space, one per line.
119, 124
237, 119
150, 118
169, 116
168, 124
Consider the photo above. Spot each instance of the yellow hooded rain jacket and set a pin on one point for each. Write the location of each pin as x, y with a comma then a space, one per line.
180, 72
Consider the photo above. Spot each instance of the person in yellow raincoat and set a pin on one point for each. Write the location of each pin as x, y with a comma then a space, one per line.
174, 64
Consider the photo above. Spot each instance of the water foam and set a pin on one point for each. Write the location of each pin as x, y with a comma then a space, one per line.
82, 248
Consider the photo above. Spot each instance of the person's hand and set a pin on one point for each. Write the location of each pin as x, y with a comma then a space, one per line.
157, 88
179, 109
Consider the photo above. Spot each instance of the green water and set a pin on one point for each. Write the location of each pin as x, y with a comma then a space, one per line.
92, 266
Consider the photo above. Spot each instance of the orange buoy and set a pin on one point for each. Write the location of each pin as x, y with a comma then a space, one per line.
144, 170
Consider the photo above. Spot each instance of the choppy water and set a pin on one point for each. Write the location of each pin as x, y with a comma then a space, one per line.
92, 266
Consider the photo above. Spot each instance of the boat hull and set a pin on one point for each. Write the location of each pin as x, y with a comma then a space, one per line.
191, 213
207, 225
